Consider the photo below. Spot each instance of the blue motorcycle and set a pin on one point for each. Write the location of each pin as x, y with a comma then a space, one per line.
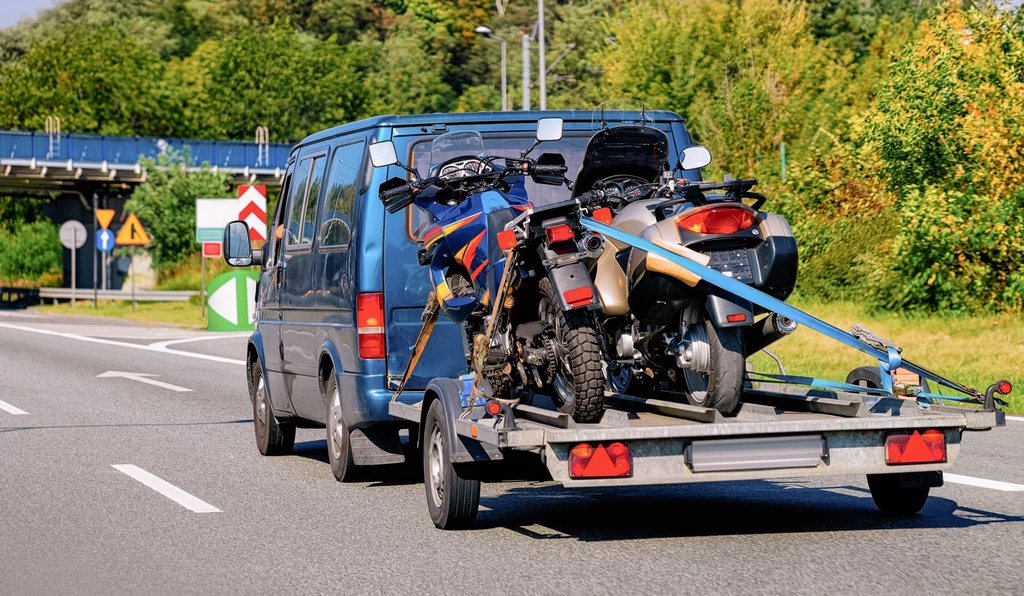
514, 275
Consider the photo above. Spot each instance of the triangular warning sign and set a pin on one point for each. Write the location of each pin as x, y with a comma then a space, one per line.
104, 217
132, 233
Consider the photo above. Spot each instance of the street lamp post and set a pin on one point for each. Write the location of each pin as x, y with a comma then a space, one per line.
486, 32
542, 71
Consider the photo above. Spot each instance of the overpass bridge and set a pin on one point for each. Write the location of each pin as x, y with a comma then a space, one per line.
84, 172
55, 162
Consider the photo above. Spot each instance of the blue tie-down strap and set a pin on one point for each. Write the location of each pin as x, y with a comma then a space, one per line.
888, 359
813, 382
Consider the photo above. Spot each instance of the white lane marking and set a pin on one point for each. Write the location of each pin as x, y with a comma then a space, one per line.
1016, 418
141, 377
983, 483
11, 409
160, 345
123, 344
186, 500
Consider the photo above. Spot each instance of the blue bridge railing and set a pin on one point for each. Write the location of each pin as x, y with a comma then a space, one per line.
121, 150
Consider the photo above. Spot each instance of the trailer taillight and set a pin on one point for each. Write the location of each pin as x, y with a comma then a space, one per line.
370, 325
915, 448
559, 233
716, 220
602, 461
1004, 387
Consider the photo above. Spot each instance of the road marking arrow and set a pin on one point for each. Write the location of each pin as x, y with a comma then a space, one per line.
141, 377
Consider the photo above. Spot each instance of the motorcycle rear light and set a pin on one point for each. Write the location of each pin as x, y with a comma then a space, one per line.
559, 233
578, 296
603, 215
507, 239
370, 325
736, 318
1004, 387
602, 461
915, 448
716, 220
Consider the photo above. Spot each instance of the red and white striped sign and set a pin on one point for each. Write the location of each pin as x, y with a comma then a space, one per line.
252, 204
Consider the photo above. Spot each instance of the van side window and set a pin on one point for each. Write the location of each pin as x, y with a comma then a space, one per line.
302, 210
273, 244
336, 229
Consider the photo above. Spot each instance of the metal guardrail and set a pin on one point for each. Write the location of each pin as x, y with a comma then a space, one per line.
140, 295
119, 150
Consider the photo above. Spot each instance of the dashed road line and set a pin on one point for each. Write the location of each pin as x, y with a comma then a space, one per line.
179, 496
983, 483
11, 409
157, 347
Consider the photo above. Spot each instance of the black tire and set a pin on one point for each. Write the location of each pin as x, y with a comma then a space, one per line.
272, 437
577, 334
892, 498
724, 383
339, 440
452, 499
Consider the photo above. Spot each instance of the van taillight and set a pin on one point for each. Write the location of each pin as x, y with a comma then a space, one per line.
370, 325
716, 220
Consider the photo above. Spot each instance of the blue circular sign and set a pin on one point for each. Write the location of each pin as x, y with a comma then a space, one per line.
104, 240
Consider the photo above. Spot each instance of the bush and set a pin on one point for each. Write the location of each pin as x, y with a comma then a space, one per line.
31, 252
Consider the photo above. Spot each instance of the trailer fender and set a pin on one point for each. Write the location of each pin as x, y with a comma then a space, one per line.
721, 305
464, 449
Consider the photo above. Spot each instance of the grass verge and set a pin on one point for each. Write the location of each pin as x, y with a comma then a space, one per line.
182, 314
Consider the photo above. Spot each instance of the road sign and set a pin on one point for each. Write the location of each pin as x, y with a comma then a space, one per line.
232, 301
213, 215
104, 240
211, 250
72, 234
132, 233
104, 217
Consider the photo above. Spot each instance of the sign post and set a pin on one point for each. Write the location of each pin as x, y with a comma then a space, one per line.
132, 234
72, 236
104, 238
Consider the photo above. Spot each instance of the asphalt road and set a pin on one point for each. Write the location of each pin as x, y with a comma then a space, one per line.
70, 522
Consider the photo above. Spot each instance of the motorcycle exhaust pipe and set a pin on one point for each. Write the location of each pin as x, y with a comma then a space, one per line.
591, 243
763, 334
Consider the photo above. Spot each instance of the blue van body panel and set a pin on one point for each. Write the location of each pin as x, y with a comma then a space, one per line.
312, 312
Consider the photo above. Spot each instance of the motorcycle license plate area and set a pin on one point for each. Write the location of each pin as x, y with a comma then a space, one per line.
732, 263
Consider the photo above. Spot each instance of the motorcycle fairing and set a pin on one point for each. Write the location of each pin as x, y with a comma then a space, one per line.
623, 150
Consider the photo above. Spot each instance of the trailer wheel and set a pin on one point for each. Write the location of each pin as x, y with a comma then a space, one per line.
452, 499
272, 437
871, 377
339, 441
892, 498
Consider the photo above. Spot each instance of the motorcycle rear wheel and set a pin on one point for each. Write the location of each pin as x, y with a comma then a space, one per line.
720, 388
580, 370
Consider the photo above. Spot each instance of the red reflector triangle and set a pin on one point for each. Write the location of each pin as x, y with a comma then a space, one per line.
600, 464
916, 450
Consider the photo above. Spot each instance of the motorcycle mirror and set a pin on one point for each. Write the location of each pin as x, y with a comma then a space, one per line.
383, 154
694, 158
549, 129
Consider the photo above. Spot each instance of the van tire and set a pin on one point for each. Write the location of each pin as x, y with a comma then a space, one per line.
339, 439
272, 437
579, 338
453, 500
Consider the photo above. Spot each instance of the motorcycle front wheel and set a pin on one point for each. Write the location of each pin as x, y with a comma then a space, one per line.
720, 387
579, 372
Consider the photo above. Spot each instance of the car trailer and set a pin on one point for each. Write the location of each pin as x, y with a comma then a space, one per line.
900, 436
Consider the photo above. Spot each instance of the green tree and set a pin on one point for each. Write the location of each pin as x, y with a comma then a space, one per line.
166, 204
30, 251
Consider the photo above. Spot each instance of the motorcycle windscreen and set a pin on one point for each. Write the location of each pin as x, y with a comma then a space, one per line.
406, 287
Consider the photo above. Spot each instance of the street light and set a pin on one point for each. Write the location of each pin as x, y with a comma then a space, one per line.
486, 32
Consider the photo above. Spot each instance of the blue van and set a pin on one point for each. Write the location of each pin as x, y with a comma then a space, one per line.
341, 289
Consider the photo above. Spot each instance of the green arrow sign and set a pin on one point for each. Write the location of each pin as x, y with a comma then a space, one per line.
231, 298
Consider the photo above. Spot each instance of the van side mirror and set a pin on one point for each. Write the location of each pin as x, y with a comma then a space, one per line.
549, 129
383, 154
237, 245
694, 158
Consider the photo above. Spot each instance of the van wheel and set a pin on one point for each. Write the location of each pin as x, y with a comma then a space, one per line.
579, 377
892, 498
452, 499
272, 437
339, 441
